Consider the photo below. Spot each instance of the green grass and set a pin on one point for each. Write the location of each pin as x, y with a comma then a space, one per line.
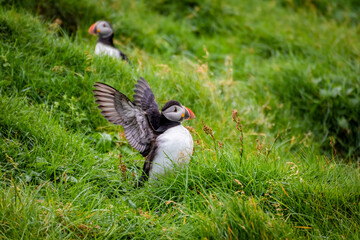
290, 68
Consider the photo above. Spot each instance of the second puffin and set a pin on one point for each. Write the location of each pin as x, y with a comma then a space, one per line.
159, 137
105, 44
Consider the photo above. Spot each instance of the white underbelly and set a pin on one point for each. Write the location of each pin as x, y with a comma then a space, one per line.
174, 147
102, 49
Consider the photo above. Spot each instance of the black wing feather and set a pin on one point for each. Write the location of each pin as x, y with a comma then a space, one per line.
118, 109
145, 99
147, 165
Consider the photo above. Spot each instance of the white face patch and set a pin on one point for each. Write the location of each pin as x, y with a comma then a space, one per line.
104, 29
174, 113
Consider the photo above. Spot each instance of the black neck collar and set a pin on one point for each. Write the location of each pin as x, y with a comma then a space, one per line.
107, 40
165, 124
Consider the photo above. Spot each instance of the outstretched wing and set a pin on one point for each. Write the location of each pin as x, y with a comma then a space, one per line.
145, 99
118, 109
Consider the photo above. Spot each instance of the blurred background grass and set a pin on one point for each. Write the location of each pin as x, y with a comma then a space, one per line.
290, 68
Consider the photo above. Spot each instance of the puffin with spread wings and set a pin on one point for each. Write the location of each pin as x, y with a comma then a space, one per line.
158, 136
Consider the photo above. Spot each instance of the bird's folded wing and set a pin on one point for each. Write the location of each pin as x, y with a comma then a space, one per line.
118, 109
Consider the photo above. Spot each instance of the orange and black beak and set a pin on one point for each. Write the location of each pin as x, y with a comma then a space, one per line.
92, 29
188, 114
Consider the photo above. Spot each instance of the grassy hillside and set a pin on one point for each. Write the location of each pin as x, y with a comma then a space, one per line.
285, 167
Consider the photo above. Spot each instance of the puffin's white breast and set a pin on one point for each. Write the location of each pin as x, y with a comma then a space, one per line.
174, 147
106, 50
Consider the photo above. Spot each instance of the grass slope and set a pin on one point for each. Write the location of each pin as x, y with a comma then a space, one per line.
291, 71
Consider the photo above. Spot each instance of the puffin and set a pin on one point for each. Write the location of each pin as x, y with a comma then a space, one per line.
160, 137
105, 44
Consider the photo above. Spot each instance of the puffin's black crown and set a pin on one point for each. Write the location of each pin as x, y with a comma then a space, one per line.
170, 103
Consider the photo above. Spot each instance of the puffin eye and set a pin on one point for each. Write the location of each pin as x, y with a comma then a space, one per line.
175, 110
104, 25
